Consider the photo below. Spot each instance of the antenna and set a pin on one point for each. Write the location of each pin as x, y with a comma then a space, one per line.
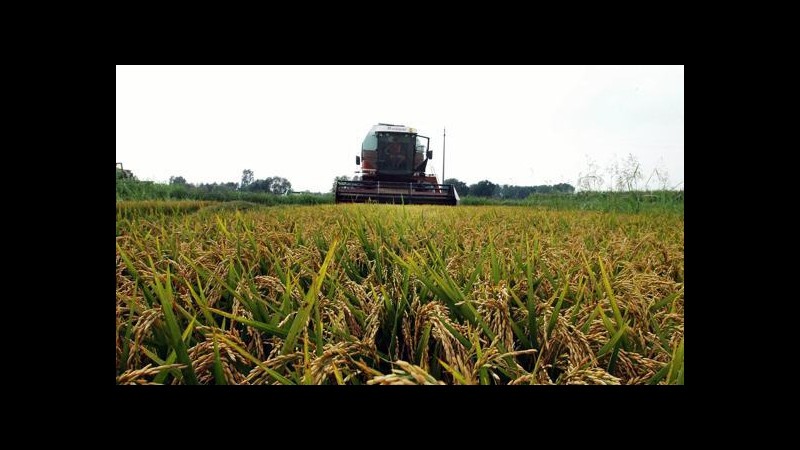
444, 141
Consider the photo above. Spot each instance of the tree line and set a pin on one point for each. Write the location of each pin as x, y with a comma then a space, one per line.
486, 188
249, 188
270, 185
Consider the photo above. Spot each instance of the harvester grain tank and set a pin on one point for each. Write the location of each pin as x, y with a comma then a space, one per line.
393, 161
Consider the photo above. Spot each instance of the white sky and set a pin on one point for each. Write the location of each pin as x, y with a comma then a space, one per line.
523, 125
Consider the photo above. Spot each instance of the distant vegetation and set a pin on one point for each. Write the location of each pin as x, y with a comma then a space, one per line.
487, 189
635, 201
269, 191
278, 191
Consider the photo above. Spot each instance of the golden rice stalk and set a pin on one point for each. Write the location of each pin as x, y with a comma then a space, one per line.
407, 374
137, 376
591, 375
279, 363
339, 357
494, 308
203, 356
141, 329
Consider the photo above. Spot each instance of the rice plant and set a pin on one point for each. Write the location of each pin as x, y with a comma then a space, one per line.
383, 294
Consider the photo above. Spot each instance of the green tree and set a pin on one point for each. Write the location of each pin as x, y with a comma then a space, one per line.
484, 188
247, 178
279, 186
273, 185
177, 180
259, 186
564, 188
460, 186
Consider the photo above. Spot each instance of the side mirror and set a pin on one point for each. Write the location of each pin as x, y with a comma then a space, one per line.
430, 154
358, 160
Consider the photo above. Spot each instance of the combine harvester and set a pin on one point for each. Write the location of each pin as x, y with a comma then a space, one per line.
393, 161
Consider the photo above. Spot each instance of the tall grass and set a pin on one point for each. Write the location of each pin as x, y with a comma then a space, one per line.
145, 190
629, 202
383, 294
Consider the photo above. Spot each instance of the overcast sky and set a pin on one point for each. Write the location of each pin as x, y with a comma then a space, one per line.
523, 125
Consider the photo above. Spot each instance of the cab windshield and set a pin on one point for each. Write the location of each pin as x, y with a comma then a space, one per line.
396, 152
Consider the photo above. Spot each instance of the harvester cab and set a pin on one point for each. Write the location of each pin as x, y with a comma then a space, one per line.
393, 161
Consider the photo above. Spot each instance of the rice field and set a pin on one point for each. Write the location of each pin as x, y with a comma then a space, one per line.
211, 293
